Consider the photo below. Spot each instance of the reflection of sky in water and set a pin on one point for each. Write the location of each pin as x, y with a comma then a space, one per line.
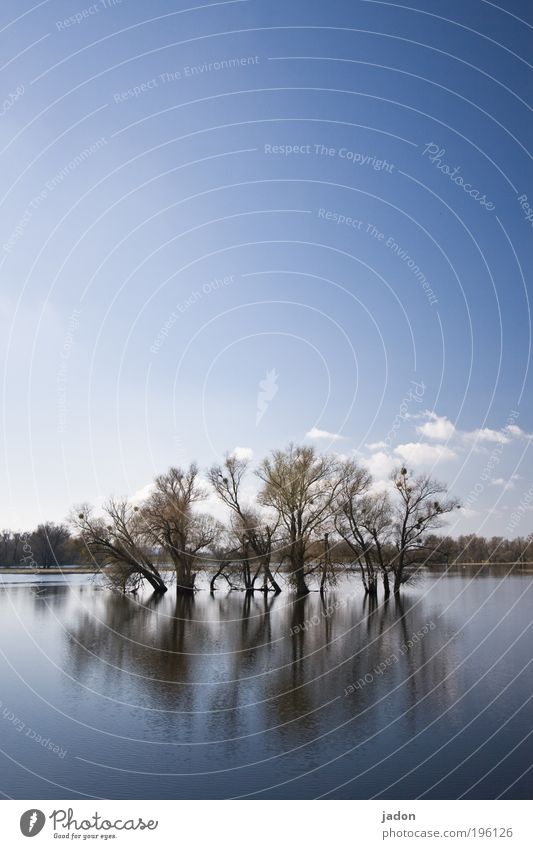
238, 692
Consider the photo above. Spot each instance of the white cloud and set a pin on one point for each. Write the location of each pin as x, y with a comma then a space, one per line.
316, 433
506, 484
380, 464
468, 513
486, 434
438, 427
141, 494
517, 433
422, 453
242, 453
376, 446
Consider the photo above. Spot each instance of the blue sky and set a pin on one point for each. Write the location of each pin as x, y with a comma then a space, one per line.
244, 223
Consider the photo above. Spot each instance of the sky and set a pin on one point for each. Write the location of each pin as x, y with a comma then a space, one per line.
233, 225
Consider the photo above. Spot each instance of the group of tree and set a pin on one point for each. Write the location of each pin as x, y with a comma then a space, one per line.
49, 545
472, 549
311, 518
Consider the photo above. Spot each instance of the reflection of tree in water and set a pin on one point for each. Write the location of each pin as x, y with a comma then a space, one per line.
214, 656
355, 640
45, 599
404, 667
52, 597
120, 638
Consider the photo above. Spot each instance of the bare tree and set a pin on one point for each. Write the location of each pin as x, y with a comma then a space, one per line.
328, 566
250, 530
300, 485
17, 546
363, 520
48, 543
171, 522
224, 557
5, 537
421, 507
117, 540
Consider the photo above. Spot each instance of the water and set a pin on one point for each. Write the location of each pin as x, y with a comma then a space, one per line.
226, 696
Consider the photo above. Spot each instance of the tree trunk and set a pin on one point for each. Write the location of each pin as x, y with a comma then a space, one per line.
220, 571
397, 582
386, 584
297, 564
155, 580
270, 577
247, 576
184, 579
299, 578
325, 565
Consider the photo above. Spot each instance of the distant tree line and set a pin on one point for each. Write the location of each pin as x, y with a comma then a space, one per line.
314, 517
470, 548
49, 545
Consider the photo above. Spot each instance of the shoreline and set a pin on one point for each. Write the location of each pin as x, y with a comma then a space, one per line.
81, 570
87, 570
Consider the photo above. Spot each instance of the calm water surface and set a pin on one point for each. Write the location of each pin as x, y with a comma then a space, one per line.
227, 696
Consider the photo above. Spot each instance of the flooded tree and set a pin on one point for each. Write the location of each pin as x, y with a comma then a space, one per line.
116, 540
299, 486
314, 515
420, 506
253, 537
364, 521
171, 522
224, 560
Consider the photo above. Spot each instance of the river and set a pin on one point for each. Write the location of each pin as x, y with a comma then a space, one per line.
223, 696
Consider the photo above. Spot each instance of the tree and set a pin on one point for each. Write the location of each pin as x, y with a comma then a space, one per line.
171, 522
364, 522
17, 546
49, 544
249, 529
5, 538
117, 540
300, 486
225, 558
420, 507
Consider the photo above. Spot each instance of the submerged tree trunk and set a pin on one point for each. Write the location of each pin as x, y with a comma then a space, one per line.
186, 585
397, 582
325, 566
299, 581
297, 564
221, 572
155, 580
185, 578
270, 577
369, 578
386, 584
372, 589
269, 580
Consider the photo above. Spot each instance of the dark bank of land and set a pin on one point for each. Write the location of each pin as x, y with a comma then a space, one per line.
76, 570
523, 566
